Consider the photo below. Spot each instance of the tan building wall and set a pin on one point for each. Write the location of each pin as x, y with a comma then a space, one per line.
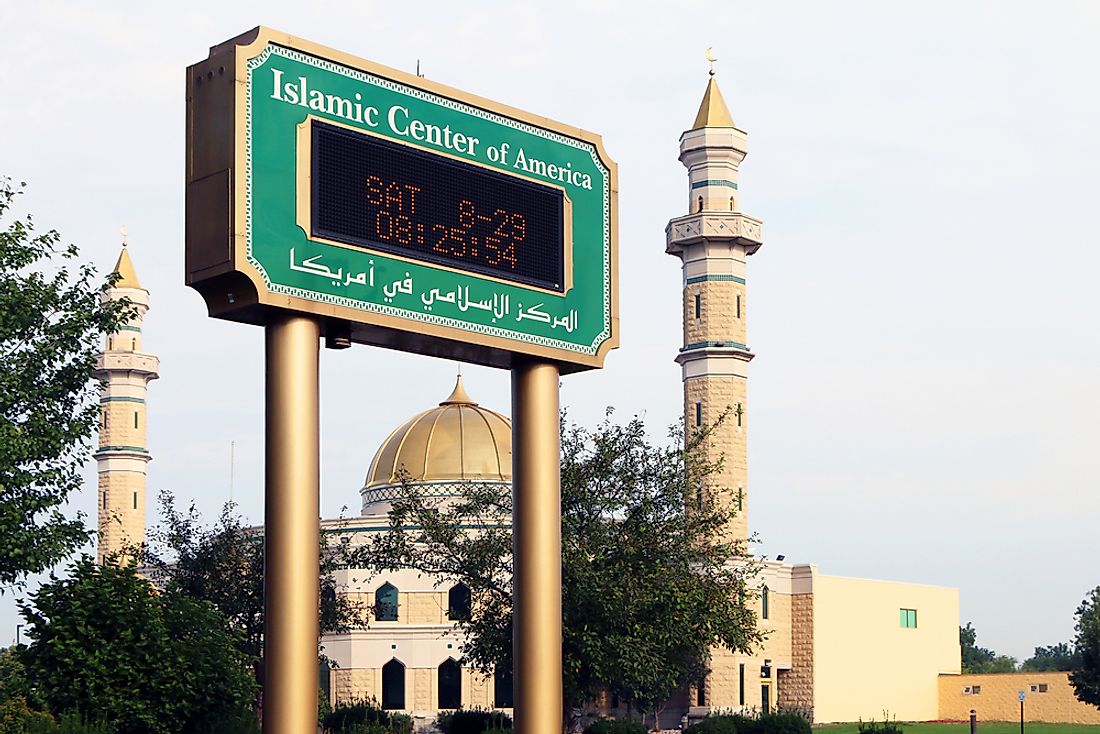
350, 685
865, 662
994, 696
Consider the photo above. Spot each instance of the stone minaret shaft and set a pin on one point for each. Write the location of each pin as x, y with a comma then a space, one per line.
712, 242
122, 456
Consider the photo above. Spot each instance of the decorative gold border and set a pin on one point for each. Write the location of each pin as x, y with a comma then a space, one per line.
264, 36
304, 178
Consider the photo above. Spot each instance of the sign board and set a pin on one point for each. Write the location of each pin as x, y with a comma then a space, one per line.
397, 211
1021, 696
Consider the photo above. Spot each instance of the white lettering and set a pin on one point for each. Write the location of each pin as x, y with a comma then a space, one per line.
392, 119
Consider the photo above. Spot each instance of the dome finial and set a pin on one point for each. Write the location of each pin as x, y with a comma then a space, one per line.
458, 395
711, 58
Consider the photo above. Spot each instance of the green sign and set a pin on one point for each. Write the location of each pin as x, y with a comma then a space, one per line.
394, 204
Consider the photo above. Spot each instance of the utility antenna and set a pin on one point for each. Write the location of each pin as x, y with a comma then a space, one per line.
418, 69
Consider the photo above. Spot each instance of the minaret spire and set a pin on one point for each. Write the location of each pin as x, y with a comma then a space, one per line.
713, 241
123, 454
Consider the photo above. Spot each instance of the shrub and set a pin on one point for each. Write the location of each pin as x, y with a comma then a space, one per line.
885, 727
472, 721
782, 722
236, 722
734, 724
615, 726
360, 717
16, 717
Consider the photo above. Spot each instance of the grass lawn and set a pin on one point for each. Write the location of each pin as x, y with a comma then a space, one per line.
984, 727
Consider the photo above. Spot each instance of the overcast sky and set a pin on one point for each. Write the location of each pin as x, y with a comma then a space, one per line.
923, 405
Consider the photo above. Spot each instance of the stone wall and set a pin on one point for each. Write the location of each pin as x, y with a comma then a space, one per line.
797, 685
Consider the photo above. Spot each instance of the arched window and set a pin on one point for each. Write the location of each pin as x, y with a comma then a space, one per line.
458, 602
450, 684
700, 203
385, 603
502, 687
764, 603
393, 685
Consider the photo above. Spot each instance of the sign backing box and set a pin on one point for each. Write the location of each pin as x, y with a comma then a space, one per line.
396, 211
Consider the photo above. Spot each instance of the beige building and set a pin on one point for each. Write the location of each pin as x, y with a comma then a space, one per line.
1048, 697
838, 648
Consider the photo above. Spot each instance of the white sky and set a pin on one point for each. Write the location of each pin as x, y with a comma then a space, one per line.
924, 402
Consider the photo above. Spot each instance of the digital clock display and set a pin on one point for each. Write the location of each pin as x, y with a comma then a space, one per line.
384, 196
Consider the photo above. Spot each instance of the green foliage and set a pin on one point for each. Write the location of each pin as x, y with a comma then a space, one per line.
776, 722
16, 717
1086, 680
648, 586
365, 717
614, 726
1055, 657
73, 723
51, 326
979, 659
107, 646
472, 721
223, 565
720, 725
786, 722
884, 727
242, 721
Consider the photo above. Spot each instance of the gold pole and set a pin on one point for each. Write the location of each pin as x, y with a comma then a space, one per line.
291, 527
536, 548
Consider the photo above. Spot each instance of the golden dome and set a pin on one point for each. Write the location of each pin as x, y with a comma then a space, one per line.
458, 440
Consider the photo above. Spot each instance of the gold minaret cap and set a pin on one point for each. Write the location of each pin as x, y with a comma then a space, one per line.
713, 111
458, 395
125, 268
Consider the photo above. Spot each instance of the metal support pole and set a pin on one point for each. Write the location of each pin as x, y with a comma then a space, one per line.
973, 721
291, 527
536, 546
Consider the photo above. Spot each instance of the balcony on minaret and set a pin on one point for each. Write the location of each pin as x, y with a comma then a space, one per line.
719, 227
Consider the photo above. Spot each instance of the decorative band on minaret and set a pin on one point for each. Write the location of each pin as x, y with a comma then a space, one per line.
123, 455
712, 242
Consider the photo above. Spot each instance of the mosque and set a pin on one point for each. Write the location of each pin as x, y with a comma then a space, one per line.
838, 648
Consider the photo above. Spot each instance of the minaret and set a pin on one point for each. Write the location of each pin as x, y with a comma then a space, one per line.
122, 456
712, 242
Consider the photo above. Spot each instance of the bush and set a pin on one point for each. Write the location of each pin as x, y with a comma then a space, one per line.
238, 722
473, 721
778, 722
735, 724
783, 722
16, 717
874, 727
615, 726
364, 717
72, 723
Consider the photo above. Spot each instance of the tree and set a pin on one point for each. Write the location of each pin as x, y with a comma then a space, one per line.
979, 659
110, 647
648, 587
51, 324
1055, 657
1086, 679
223, 565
